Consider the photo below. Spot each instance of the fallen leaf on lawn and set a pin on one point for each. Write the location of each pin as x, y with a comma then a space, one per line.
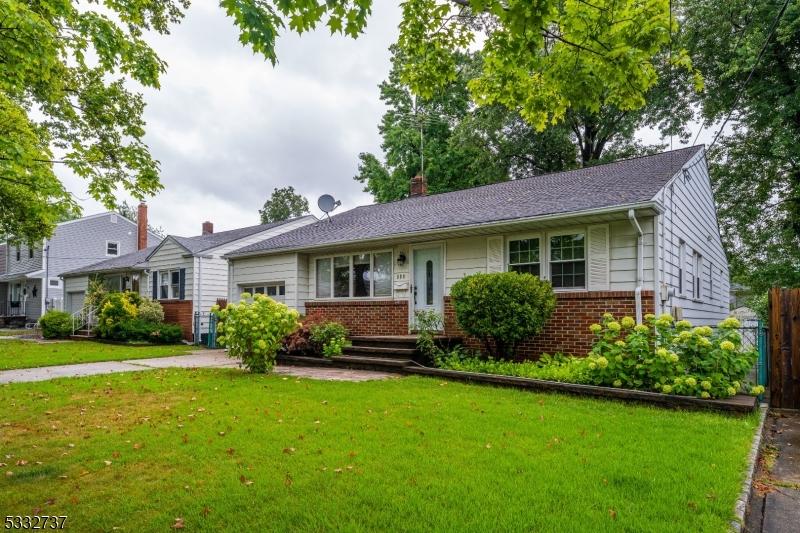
612, 513
178, 524
205, 511
230, 451
137, 446
352, 454
9, 473
488, 444
50, 501
324, 402
185, 438
22, 462
246, 481
74, 500
288, 480
107, 462
288, 450
316, 421
200, 409
221, 433
115, 455
2, 465
338, 470
71, 445
62, 476
691, 505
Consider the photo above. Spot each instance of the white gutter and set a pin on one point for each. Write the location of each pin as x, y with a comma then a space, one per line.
651, 204
639, 262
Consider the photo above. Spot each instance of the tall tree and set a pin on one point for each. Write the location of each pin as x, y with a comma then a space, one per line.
458, 144
756, 168
283, 204
68, 63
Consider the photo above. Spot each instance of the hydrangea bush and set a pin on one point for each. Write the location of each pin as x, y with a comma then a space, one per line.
253, 330
672, 358
329, 337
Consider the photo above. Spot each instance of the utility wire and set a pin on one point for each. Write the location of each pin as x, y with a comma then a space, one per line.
752, 71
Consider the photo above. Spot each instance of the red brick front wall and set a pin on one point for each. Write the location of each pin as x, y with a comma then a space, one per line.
179, 312
567, 331
364, 317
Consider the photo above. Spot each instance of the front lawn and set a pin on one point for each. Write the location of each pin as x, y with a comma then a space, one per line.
219, 449
29, 354
13, 332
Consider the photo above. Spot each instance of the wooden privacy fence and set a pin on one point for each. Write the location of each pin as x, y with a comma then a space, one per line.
784, 330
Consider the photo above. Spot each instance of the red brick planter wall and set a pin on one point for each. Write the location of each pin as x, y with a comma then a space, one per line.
364, 317
568, 330
179, 312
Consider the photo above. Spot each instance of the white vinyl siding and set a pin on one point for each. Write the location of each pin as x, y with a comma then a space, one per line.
274, 269
690, 217
465, 256
170, 257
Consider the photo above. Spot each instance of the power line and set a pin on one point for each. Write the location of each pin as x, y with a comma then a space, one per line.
752, 71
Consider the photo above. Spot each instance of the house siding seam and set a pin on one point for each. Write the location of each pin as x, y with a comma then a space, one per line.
364, 317
567, 331
179, 312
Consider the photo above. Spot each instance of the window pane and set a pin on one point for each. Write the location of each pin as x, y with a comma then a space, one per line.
429, 282
382, 274
526, 269
341, 277
272, 290
259, 290
282, 290
361, 275
176, 277
248, 290
323, 278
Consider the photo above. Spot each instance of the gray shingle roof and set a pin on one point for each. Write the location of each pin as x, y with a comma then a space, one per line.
623, 182
202, 243
136, 259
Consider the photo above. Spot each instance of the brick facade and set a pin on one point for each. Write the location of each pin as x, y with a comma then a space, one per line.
568, 330
179, 312
364, 317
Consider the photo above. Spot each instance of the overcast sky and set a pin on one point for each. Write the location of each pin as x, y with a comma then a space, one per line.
228, 128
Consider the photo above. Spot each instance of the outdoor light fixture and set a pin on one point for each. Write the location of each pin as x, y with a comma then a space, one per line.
401, 259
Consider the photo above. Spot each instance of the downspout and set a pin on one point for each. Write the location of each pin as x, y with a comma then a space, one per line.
639, 263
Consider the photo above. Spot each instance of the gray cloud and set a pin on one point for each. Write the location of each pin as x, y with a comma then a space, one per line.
228, 127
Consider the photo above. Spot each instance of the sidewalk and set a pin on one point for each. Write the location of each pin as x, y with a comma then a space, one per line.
203, 359
775, 496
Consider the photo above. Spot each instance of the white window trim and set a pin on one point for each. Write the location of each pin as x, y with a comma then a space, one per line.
519, 237
569, 231
350, 255
697, 276
263, 285
681, 281
170, 294
118, 251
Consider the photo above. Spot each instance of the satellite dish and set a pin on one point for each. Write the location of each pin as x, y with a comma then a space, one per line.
327, 203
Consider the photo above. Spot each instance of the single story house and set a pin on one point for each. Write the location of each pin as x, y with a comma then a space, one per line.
186, 274
631, 237
32, 282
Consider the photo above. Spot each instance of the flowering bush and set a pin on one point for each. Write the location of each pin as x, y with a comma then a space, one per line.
329, 337
672, 358
254, 330
116, 309
151, 311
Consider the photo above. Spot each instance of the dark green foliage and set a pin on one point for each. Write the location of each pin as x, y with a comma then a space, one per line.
329, 338
502, 309
283, 205
567, 369
135, 330
56, 325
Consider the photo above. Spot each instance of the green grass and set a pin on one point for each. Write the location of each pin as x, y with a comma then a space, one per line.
225, 450
29, 354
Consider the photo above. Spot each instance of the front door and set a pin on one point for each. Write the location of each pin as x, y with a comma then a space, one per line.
427, 293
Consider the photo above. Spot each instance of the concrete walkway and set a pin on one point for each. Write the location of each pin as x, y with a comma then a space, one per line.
202, 359
775, 497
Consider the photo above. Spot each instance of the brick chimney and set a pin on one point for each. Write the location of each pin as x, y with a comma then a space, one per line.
141, 223
419, 186
208, 228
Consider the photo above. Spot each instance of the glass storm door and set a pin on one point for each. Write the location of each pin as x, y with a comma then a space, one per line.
427, 290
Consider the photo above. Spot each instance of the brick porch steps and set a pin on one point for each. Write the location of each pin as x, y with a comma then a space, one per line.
380, 351
348, 361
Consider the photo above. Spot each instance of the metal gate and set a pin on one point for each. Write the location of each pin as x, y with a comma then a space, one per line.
205, 329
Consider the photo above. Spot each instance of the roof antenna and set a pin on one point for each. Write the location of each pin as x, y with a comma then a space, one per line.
327, 204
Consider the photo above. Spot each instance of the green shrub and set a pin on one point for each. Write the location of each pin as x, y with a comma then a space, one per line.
671, 358
329, 337
253, 330
96, 293
138, 330
165, 333
151, 311
117, 307
56, 325
502, 309
567, 369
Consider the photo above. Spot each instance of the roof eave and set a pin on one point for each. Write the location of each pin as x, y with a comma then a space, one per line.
650, 204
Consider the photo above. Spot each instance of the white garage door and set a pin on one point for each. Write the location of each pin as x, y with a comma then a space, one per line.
75, 301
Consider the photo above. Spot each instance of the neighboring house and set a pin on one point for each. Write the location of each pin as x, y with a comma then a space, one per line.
186, 274
33, 272
632, 237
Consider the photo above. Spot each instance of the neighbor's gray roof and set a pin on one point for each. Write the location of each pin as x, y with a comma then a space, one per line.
202, 243
614, 184
136, 259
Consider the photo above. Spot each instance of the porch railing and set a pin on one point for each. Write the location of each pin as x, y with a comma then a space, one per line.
12, 308
84, 319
